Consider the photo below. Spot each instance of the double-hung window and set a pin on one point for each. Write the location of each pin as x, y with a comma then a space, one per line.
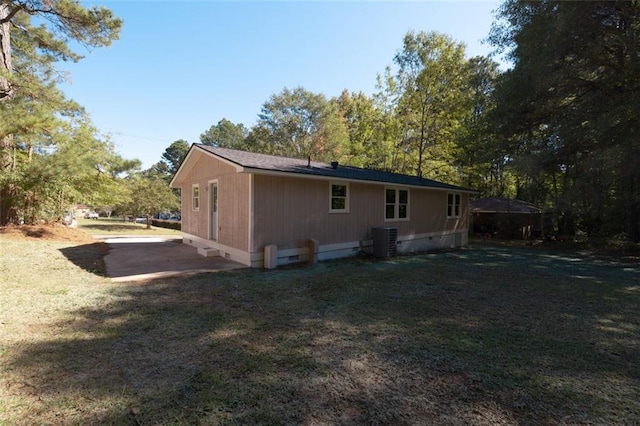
195, 196
339, 198
396, 204
453, 205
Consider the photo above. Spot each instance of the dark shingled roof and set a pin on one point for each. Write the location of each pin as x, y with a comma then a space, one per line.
297, 166
502, 205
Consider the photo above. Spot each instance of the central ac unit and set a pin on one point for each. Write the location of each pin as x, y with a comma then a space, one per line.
385, 242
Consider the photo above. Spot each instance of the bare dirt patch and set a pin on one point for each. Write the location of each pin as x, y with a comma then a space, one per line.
53, 232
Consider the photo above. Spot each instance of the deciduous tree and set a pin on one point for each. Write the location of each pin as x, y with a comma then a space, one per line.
363, 119
434, 78
149, 195
302, 124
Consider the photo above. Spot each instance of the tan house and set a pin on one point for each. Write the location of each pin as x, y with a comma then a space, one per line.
260, 209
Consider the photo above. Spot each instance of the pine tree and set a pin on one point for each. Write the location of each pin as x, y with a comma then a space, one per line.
33, 112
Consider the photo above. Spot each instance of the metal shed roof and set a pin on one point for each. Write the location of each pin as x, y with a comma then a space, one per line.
502, 205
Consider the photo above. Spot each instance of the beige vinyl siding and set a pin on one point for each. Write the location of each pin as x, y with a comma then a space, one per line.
233, 202
290, 211
233, 210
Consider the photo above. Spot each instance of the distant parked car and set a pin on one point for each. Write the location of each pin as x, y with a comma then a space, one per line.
141, 220
91, 215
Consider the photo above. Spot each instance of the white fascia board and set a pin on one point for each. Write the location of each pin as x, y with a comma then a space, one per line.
182, 169
185, 166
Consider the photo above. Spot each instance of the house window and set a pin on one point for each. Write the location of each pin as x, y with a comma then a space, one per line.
339, 198
195, 196
453, 205
396, 204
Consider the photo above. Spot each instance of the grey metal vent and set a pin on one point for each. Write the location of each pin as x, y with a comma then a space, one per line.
385, 242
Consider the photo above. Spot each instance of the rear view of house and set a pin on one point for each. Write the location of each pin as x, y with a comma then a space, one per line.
254, 207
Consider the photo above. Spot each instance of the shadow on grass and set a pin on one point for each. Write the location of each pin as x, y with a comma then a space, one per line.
481, 336
89, 257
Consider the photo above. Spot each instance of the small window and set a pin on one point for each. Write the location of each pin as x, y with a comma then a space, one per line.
453, 205
390, 204
195, 196
339, 198
396, 204
403, 204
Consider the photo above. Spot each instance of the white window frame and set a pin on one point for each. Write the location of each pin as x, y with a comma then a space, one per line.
346, 197
195, 198
454, 201
396, 204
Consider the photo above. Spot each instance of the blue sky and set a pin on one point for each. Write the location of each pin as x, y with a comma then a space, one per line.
181, 66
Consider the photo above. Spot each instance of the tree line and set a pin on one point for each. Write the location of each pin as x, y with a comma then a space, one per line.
425, 119
557, 128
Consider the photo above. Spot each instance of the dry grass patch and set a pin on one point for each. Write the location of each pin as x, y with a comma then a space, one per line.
492, 335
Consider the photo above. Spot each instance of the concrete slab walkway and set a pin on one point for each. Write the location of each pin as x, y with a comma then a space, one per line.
135, 258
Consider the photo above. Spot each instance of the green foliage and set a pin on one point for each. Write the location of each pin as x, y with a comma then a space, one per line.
429, 118
149, 195
558, 129
49, 152
76, 169
391, 127
167, 224
174, 155
435, 97
479, 158
366, 145
160, 170
225, 134
568, 109
301, 124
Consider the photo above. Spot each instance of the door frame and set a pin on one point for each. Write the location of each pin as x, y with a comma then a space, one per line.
214, 208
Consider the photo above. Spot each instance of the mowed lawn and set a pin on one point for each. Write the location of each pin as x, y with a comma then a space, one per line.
117, 226
483, 336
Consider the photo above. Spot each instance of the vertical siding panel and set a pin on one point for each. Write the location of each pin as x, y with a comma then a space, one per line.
289, 211
233, 210
233, 204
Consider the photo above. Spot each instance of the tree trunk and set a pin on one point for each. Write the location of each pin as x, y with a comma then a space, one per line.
6, 90
6, 141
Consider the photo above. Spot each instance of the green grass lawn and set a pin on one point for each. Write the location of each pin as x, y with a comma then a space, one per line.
485, 336
116, 226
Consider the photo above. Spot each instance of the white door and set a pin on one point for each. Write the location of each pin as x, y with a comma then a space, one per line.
213, 211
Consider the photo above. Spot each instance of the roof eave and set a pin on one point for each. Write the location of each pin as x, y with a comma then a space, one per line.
177, 178
259, 171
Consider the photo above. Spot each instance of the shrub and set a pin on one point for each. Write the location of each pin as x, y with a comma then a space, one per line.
169, 224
